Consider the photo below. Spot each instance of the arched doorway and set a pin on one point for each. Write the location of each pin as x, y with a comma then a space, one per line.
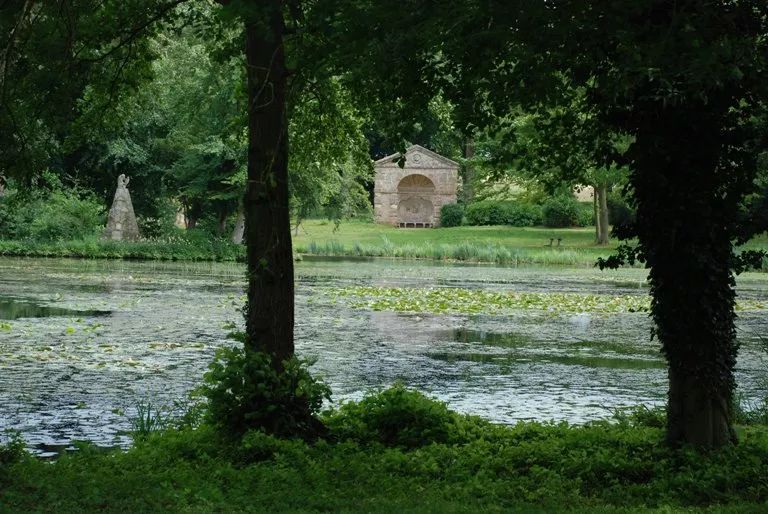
415, 208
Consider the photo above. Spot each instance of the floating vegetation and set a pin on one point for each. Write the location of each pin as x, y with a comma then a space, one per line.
478, 301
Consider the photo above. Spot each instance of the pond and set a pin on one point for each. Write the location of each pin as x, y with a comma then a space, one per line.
83, 342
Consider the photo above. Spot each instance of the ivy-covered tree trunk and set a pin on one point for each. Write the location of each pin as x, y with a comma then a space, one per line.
685, 220
269, 317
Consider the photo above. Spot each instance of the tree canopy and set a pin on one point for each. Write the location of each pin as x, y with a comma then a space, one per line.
685, 81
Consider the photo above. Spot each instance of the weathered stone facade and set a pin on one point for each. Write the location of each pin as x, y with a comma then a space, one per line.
121, 225
412, 196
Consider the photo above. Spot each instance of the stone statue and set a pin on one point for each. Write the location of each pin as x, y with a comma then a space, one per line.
121, 224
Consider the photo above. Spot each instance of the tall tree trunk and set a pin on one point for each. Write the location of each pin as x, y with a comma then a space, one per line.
604, 234
239, 231
595, 202
269, 317
6, 53
469, 153
222, 225
685, 225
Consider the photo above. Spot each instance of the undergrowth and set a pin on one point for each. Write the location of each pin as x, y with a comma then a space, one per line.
399, 451
166, 249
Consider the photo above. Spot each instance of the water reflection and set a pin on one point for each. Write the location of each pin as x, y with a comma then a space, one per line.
15, 309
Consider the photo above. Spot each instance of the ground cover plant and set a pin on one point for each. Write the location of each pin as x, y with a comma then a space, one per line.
399, 451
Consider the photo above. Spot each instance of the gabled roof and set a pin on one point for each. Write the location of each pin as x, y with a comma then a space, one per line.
430, 153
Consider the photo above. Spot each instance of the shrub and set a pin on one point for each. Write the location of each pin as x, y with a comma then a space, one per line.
523, 214
15, 214
11, 452
67, 215
161, 224
396, 417
62, 214
561, 211
586, 217
619, 211
245, 392
451, 215
486, 213
517, 214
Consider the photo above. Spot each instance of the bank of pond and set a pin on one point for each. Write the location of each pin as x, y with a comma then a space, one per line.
398, 451
219, 250
507, 246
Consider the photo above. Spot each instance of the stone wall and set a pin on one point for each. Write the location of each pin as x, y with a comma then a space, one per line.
412, 196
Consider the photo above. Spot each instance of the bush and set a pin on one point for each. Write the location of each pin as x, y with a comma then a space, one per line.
61, 214
396, 417
162, 224
451, 215
517, 214
67, 215
586, 217
11, 452
486, 213
524, 214
619, 211
15, 214
245, 392
561, 211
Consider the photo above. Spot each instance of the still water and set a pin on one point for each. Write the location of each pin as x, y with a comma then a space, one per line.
83, 342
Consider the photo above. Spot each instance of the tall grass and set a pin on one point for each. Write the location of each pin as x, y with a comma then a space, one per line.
149, 418
463, 252
166, 249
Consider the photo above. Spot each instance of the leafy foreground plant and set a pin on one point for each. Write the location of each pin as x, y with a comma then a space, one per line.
399, 451
245, 392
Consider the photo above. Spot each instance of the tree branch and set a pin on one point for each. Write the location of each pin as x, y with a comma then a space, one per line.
137, 31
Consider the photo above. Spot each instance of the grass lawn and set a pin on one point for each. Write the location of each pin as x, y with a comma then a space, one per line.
350, 232
500, 244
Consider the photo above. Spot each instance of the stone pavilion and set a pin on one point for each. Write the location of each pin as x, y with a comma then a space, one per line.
413, 195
